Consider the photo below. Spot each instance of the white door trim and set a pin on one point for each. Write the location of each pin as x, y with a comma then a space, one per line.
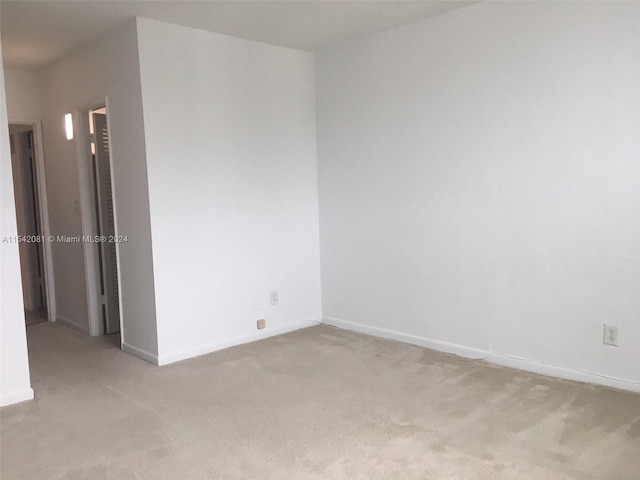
115, 215
88, 219
88, 216
43, 204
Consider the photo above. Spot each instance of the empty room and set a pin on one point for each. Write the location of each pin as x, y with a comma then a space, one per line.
319, 240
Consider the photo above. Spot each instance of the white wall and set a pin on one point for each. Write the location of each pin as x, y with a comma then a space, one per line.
23, 94
479, 184
109, 68
15, 384
230, 136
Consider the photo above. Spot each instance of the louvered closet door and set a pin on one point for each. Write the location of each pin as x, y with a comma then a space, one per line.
106, 227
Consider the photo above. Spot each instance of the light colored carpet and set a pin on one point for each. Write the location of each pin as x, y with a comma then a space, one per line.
319, 403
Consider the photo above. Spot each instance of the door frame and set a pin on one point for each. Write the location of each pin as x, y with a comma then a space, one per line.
43, 205
88, 216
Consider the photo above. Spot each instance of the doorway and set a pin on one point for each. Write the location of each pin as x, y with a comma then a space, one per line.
30, 202
106, 255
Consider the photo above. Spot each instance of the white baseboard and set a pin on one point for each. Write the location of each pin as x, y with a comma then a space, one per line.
491, 357
562, 372
232, 342
461, 350
67, 322
16, 397
140, 353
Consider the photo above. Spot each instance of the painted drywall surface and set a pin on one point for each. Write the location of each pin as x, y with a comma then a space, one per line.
231, 153
109, 68
23, 94
478, 181
15, 384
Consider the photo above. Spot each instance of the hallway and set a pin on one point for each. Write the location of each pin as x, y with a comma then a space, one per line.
33, 317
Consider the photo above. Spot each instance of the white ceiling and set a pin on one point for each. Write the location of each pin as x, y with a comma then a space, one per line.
35, 33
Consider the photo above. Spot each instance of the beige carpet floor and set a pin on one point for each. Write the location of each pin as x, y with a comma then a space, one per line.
319, 403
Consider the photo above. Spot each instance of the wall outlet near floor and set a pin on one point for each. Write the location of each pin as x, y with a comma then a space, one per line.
261, 323
273, 297
610, 335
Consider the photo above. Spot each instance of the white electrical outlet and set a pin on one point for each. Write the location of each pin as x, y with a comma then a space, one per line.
261, 324
610, 335
273, 297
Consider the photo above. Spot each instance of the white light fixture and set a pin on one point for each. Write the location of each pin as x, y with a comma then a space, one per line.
68, 124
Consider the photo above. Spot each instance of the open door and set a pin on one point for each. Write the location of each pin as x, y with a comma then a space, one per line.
32, 224
29, 222
105, 226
